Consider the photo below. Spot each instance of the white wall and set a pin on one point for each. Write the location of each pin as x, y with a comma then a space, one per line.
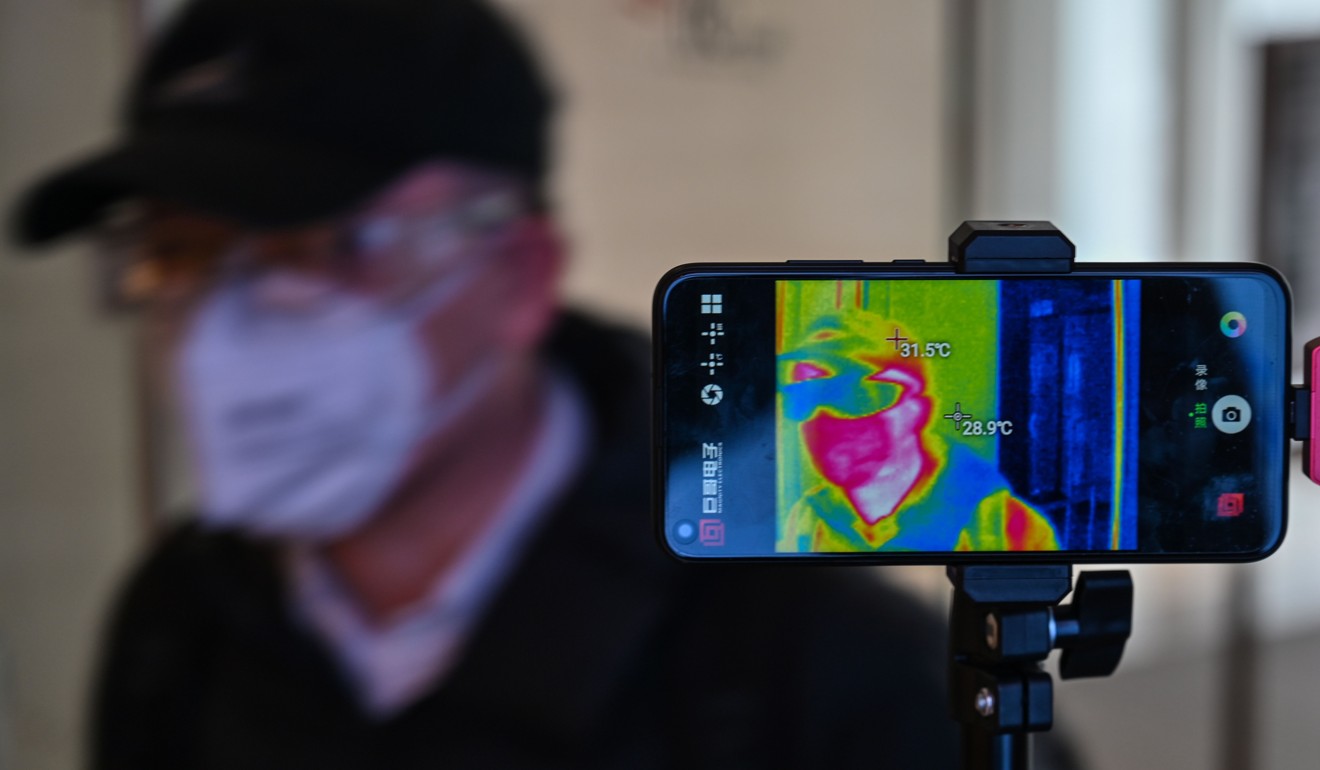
66, 476
830, 149
1073, 107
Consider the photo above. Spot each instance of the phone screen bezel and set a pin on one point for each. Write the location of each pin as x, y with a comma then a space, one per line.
909, 269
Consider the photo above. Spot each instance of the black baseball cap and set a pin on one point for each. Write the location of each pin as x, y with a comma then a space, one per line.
276, 113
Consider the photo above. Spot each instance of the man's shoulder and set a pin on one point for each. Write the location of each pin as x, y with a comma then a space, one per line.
190, 569
847, 659
584, 330
819, 597
187, 546
610, 367
611, 361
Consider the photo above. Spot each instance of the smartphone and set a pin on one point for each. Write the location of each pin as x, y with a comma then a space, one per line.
903, 412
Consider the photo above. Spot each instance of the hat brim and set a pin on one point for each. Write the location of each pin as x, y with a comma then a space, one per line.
255, 181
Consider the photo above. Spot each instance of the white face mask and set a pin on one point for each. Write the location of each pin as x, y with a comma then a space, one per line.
302, 423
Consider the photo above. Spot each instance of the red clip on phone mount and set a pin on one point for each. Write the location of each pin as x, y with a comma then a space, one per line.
1006, 618
1306, 411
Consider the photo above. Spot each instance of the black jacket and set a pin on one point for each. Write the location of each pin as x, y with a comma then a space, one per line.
599, 651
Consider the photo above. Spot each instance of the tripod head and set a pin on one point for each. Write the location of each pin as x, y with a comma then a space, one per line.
1005, 621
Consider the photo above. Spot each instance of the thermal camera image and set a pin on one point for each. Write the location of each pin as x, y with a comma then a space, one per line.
938, 416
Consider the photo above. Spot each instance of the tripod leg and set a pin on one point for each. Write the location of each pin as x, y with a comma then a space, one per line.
990, 751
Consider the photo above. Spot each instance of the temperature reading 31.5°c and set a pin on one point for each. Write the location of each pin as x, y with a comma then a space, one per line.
925, 350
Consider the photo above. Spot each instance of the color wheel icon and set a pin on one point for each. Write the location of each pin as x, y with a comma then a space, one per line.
1233, 324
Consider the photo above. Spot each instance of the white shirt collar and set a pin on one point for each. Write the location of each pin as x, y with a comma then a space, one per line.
392, 665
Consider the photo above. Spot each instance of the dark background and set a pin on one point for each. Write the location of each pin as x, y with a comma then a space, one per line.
1055, 383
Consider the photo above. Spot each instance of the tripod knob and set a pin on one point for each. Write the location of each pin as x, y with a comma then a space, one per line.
1094, 628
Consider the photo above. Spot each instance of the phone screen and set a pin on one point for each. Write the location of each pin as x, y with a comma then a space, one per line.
1137, 416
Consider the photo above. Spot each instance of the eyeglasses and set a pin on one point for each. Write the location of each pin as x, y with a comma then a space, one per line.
159, 257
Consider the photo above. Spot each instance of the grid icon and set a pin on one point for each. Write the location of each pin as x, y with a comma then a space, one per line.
712, 304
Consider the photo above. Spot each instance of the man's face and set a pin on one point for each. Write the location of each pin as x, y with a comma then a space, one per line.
318, 369
450, 252
859, 409
439, 221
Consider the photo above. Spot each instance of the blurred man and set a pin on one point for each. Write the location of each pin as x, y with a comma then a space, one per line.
889, 481
423, 536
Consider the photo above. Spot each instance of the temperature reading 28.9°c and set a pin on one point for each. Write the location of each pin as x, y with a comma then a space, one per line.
987, 427
966, 424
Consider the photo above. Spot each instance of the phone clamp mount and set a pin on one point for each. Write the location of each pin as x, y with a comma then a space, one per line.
1005, 621
1006, 618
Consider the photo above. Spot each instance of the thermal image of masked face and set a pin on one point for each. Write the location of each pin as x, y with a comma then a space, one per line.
872, 391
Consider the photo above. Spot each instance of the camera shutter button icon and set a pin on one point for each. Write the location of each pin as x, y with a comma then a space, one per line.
1231, 414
